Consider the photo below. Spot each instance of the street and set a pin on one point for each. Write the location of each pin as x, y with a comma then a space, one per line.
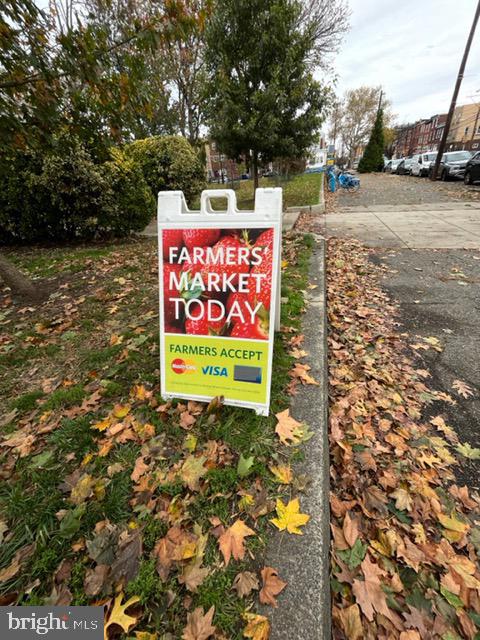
431, 252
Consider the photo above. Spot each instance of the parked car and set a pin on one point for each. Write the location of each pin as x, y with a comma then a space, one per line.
405, 167
392, 165
421, 163
452, 165
472, 169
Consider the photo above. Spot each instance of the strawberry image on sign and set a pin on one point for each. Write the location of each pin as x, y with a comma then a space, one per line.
264, 295
170, 292
217, 282
242, 306
204, 327
171, 238
257, 331
200, 237
220, 263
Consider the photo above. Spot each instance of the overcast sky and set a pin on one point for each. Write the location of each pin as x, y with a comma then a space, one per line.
413, 48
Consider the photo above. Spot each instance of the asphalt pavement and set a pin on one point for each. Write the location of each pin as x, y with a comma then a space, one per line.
428, 236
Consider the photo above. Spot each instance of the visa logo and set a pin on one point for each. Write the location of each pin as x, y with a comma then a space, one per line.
215, 371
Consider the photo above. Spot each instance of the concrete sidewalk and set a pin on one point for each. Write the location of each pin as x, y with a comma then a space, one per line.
453, 225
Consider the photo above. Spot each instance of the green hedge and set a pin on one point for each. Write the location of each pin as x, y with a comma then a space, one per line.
169, 163
64, 195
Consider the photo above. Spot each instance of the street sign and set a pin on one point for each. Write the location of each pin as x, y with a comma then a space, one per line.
219, 278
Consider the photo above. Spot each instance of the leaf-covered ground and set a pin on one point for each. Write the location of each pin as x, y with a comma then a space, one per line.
159, 510
405, 537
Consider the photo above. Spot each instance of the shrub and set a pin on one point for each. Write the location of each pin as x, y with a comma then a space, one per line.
64, 195
17, 199
70, 193
130, 204
169, 163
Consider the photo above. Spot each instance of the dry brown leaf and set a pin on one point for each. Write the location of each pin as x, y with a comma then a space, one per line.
199, 625
231, 542
351, 622
462, 388
370, 595
350, 529
244, 583
289, 430
139, 469
272, 586
17, 562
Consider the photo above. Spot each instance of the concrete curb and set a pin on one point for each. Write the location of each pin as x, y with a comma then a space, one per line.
303, 561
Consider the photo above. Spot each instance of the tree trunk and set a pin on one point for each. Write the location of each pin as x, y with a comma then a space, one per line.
18, 283
255, 169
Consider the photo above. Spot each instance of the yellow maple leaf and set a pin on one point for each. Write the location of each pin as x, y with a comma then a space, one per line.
192, 470
289, 517
452, 523
121, 410
102, 425
283, 473
118, 616
258, 627
145, 635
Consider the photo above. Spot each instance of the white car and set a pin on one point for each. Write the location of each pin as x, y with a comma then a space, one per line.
421, 163
391, 166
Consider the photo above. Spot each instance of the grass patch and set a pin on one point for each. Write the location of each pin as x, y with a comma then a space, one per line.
300, 190
27, 401
74, 478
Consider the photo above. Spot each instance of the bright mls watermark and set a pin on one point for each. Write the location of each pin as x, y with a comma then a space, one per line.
58, 623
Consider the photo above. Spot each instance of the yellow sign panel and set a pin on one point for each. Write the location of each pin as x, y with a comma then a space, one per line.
216, 366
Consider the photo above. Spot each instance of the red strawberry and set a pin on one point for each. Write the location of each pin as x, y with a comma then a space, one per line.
204, 327
264, 284
171, 238
200, 237
220, 260
258, 330
189, 265
265, 239
172, 328
241, 299
170, 292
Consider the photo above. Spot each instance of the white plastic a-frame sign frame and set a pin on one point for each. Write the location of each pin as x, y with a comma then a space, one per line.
219, 277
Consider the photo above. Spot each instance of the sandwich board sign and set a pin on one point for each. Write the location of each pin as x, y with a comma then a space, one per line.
219, 278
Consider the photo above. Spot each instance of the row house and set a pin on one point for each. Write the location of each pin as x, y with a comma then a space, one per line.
423, 135
465, 128
426, 134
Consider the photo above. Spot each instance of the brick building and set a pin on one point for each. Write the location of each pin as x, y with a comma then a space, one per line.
219, 167
465, 128
423, 135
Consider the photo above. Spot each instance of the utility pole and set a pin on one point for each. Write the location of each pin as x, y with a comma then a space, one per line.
461, 71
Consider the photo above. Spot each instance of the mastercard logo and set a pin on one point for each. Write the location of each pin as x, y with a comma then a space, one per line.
183, 366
